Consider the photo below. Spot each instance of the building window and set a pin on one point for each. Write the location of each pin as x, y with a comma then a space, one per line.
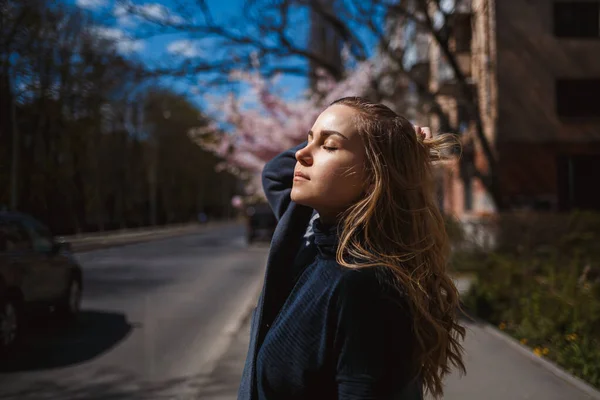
577, 19
577, 182
578, 98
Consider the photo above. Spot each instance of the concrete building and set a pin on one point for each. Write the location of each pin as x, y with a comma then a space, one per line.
535, 68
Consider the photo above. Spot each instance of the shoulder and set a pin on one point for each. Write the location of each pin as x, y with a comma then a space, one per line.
367, 278
358, 280
370, 308
369, 285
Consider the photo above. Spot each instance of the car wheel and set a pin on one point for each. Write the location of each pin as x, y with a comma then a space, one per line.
70, 304
9, 324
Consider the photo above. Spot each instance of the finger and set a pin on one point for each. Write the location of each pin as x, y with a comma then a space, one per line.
427, 132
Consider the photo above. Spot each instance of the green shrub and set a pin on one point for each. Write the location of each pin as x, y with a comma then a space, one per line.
454, 229
533, 286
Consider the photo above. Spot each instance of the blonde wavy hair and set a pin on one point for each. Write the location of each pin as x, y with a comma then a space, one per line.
398, 225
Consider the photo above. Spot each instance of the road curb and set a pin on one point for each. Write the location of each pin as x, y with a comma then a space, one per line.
233, 328
247, 310
120, 239
99, 235
543, 362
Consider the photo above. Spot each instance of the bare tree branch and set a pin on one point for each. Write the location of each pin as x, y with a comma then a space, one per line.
268, 34
206, 12
356, 45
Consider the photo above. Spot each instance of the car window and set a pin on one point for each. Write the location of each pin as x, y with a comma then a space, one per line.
13, 236
41, 237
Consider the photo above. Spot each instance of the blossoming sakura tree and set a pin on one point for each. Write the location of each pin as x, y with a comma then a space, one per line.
252, 128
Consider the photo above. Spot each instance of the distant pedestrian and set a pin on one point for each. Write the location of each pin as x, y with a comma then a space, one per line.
358, 305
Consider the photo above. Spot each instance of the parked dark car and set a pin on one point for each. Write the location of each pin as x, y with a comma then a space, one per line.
261, 223
37, 274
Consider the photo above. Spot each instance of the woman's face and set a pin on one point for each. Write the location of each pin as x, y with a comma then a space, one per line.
330, 173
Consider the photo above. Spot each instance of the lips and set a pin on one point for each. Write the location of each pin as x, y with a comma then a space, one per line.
300, 176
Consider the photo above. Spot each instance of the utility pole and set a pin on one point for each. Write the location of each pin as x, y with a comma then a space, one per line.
153, 180
14, 169
152, 160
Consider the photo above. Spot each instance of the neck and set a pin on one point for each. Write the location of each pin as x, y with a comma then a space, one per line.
328, 218
326, 237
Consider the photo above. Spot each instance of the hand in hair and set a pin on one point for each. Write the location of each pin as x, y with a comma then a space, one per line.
423, 132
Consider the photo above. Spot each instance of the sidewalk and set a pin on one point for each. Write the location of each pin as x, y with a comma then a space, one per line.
495, 371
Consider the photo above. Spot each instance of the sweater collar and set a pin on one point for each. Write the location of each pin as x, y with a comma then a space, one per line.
326, 238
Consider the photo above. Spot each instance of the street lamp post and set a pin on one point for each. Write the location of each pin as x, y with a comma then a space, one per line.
14, 169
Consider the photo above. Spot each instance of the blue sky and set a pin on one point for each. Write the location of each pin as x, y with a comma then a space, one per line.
168, 49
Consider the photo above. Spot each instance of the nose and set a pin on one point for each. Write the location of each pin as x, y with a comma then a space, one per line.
303, 156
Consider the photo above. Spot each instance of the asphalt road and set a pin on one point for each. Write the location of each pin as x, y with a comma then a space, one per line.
156, 317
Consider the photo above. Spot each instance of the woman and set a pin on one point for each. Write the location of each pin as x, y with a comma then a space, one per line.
362, 308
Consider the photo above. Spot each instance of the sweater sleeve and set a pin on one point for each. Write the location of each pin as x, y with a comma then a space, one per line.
373, 340
277, 180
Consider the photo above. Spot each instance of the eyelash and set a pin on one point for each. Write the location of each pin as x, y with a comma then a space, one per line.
326, 148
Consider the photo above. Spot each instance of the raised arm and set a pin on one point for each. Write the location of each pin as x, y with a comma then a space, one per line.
277, 180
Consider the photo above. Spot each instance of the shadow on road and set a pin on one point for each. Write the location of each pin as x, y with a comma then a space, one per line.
50, 344
111, 384
121, 282
96, 332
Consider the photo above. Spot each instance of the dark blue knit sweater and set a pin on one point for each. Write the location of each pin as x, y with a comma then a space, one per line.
322, 331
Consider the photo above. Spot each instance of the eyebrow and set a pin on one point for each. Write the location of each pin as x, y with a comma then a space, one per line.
326, 133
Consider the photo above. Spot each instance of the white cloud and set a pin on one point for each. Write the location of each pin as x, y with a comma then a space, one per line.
122, 16
185, 48
122, 42
125, 18
91, 4
130, 46
128, 21
120, 10
129, 15
108, 33
158, 12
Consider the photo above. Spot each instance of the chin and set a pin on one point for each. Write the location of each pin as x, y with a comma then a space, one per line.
300, 198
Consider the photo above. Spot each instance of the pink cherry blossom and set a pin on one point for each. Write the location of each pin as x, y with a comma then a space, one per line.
262, 123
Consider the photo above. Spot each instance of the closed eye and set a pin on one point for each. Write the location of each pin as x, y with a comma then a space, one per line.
327, 148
